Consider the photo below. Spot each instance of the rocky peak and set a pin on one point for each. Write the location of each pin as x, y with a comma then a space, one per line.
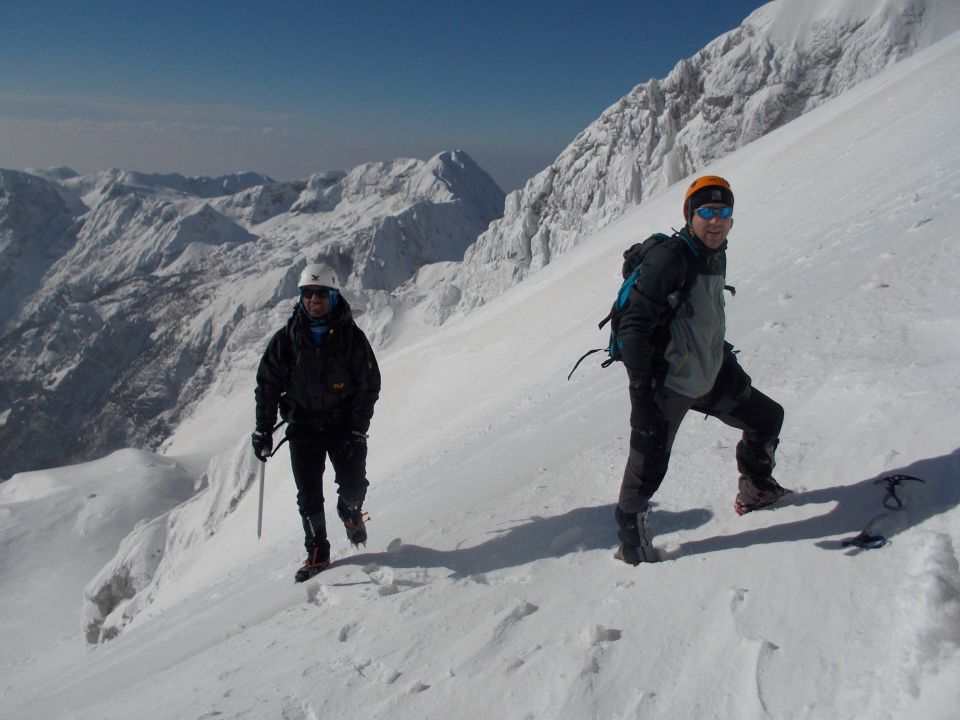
785, 59
155, 280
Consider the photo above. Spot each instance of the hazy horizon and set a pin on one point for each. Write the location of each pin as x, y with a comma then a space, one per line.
290, 89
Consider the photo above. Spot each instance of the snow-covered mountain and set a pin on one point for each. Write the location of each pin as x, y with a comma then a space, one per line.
35, 229
123, 291
488, 588
786, 58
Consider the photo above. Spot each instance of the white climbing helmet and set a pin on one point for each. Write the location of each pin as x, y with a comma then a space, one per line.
319, 274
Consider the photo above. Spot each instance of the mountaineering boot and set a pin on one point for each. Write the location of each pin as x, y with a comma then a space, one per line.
352, 518
318, 549
756, 494
635, 546
318, 560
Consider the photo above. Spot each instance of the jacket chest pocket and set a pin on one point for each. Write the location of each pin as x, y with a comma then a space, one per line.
319, 375
338, 385
333, 376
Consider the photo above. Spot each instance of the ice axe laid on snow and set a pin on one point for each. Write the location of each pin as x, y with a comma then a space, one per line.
869, 538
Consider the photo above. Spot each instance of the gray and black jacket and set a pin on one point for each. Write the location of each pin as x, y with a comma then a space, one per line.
673, 327
334, 384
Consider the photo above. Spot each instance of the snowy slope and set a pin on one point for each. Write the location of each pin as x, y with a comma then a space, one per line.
488, 588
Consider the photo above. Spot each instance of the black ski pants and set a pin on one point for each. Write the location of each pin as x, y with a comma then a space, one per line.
759, 417
310, 445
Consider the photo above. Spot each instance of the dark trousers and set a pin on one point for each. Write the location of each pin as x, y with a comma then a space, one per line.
759, 417
310, 445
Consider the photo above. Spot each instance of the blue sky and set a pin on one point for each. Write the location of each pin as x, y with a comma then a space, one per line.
293, 88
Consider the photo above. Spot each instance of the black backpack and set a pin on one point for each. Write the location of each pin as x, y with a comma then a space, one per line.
632, 277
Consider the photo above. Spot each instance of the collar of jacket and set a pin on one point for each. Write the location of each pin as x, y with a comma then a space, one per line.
299, 324
311, 320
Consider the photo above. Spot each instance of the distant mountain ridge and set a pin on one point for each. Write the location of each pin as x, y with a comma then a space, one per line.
36, 219
123, 290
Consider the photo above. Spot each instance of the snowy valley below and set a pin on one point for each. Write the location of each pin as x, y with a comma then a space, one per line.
138, 291
488, 587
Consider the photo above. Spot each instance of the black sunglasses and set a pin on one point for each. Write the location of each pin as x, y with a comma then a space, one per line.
307, 293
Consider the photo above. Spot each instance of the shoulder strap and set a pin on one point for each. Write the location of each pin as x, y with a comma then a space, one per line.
689, 254
633, 258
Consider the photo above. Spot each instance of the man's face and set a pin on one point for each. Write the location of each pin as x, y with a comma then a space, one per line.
711, 231
316, 300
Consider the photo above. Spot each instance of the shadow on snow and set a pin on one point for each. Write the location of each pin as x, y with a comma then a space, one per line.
854, 507
526, 541
593, 528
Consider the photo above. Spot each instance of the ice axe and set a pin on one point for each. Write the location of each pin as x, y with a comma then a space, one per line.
263, 472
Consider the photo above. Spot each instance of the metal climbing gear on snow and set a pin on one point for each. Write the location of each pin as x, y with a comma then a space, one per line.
892, 501
867, 539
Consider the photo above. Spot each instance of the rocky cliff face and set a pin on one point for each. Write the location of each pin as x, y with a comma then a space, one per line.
129, 287
36, 219
785, 59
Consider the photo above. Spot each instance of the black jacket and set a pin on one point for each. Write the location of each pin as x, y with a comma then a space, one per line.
336, 383
672, 330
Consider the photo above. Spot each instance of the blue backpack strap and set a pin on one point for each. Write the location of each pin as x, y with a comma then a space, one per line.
632, 271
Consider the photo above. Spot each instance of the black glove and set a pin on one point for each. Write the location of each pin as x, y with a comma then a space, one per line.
262, 444
646, 419
354, 444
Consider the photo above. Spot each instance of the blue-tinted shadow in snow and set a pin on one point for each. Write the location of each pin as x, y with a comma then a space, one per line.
852, 508
526, 541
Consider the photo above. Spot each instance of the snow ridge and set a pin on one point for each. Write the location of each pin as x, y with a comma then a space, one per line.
160, 548
785, 59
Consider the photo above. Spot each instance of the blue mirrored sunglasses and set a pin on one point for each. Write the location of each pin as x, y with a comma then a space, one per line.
708, 213
307, 293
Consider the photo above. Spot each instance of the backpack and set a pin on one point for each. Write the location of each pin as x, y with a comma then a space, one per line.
632, 277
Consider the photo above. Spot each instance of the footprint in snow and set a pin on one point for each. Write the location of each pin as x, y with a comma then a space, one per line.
764, 651
935, 600
296, 709
347, 632
521, 610
566, 541
598, 635
389, 583
739, 595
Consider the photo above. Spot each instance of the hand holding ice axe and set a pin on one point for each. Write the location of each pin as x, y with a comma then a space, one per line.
262, 441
